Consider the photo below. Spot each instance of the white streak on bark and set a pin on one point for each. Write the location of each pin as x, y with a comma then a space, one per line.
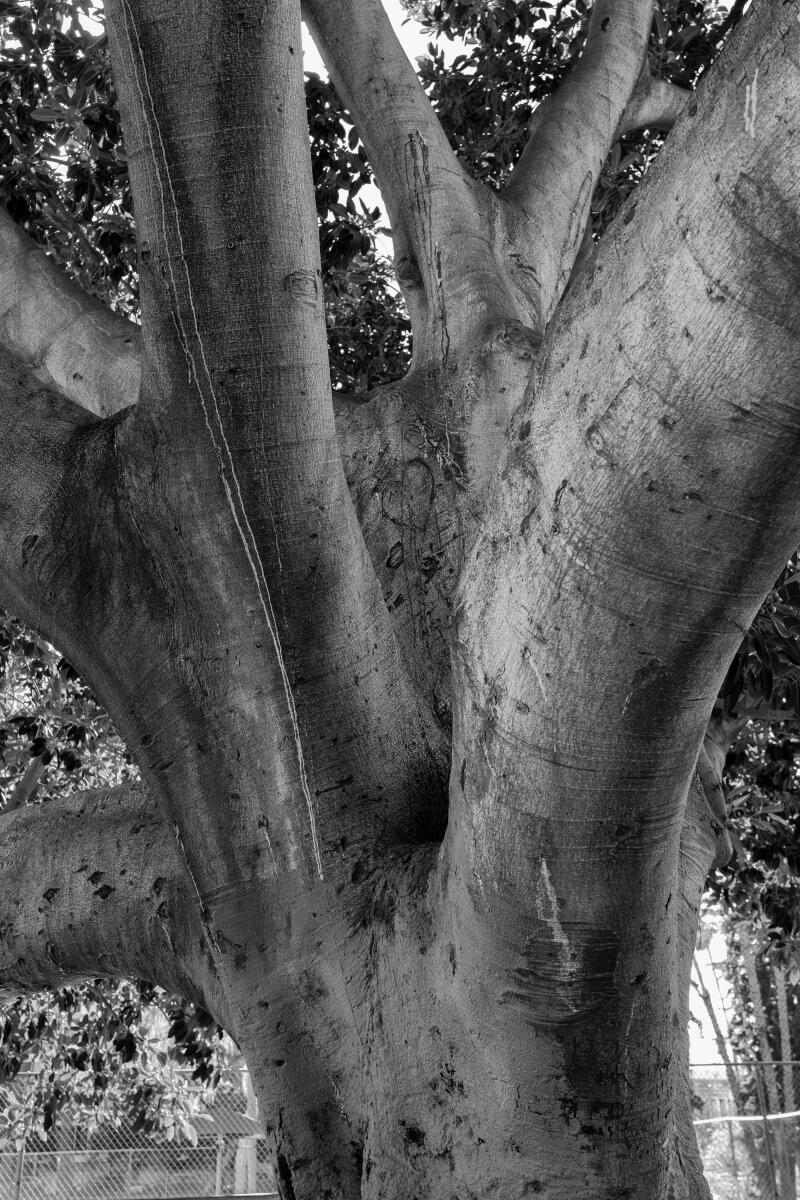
221, 447
750, 104
547, 908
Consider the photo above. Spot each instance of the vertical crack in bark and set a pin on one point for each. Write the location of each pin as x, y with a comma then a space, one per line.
220, 443
285, 1176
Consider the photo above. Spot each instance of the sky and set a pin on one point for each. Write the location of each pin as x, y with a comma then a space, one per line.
413, 41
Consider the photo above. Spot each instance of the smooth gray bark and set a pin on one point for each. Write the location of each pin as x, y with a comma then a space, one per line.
456, 958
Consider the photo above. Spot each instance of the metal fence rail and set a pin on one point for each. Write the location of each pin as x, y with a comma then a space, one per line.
748, 1129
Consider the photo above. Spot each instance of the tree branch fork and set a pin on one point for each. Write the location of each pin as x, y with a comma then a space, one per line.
570, 481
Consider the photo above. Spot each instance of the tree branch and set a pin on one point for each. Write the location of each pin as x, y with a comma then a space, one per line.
444, 260
26, 786
233, 444
550, 190
92, 885
40, 435
655, 104
629, 554
72, 343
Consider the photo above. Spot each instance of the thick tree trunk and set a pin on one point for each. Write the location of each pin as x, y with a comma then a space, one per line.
551, 535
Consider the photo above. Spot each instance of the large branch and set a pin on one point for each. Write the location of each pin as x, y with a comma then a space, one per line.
444, 260
550, 190
650, 501
655, 104
71, 343
93, 885
41, 435
233, 445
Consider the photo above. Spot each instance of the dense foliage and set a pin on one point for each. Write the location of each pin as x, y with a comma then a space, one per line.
515, 55
64, 178
108, 1052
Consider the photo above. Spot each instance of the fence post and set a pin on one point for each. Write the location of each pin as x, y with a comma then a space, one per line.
218, 1172
762, 1105
18, 1173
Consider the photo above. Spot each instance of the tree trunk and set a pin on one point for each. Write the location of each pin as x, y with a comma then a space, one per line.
419, 690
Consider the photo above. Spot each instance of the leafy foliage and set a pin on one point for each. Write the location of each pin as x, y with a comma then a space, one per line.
109, 1052
516, 54
64, 179
760, 701
62, 162
54, 736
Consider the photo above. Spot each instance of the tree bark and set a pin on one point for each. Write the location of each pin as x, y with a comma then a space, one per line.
574, 511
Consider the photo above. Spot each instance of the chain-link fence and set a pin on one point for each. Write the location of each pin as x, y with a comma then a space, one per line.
112, 1162
747, 1120
749, 1139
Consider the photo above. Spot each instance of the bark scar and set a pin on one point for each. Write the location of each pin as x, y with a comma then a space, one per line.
750, 104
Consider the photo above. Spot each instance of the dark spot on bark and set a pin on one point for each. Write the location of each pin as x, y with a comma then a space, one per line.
526, 520
77, 375
522, 707
395, 556
429, 564
463, 773
285, 1177
692, 496
27, 546
148, 740
413, 1135
597, 443
95, 877
535, 1186
667, 422
524, 430
280, 1062
158, 884
629, 214
559, 493
604, 24
50, 894
451, 954
105, 891
240, 959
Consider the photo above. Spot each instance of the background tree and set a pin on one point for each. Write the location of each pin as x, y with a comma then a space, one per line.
598, 484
